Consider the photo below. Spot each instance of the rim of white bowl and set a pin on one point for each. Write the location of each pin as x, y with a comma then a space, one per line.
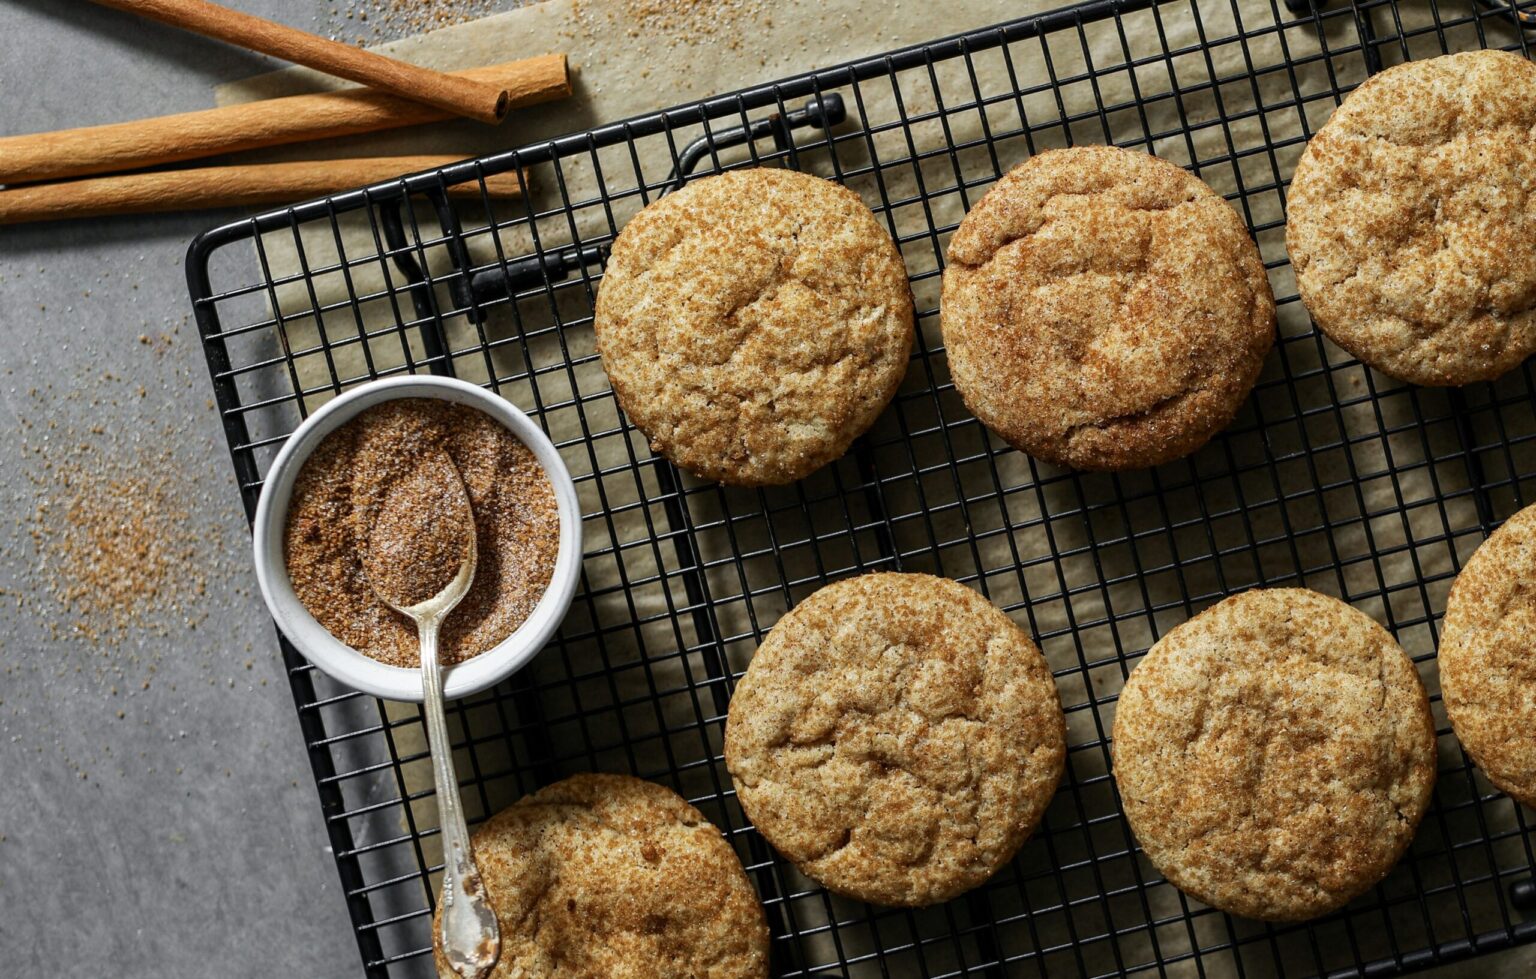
342, 662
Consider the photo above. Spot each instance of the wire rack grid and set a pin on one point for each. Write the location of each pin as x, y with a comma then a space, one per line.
1331, 477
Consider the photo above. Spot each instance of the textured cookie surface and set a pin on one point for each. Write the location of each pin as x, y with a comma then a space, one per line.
1104, 309
1274, 754
612, 877
896, 737
1412, 224
1488, 657
753, 324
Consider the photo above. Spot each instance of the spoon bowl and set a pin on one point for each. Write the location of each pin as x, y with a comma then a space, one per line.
426, 526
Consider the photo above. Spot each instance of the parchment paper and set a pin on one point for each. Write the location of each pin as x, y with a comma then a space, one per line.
1080, 610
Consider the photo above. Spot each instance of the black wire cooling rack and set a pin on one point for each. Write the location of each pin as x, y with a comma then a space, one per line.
1331, 477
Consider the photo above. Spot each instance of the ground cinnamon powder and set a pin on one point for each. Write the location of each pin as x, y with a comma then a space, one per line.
339, 498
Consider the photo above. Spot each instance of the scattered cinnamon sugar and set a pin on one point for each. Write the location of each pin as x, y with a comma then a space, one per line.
337, 501
688, 18
374, 21
123, 541
695, 23
670, 23
117, 554
119, 551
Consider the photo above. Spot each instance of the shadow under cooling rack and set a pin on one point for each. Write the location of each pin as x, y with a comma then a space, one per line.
1331, 477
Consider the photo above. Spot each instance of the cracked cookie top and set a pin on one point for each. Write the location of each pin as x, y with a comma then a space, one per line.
1488, 657
613, 877
1103, 309
896, 737
1274, 754
1412, 224
753, 324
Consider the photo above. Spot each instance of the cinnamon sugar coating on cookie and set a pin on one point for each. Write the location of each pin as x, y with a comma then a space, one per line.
1488, 657
1275, 754
1103, 309
896, 737
1412, 223
753, 324
613, 877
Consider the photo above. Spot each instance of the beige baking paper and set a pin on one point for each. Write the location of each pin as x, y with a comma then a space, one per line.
1049, 559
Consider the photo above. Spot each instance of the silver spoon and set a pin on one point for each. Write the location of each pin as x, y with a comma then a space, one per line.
424, 526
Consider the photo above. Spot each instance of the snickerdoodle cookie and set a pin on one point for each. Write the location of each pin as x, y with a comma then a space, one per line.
1488, 657
1104, 309
1412, 223
753, 324
612, 877
896, 737
1274, 754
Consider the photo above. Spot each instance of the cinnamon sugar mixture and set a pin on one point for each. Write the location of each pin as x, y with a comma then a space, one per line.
340, 497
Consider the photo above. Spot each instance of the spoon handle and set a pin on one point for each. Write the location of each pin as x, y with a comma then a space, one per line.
470, 938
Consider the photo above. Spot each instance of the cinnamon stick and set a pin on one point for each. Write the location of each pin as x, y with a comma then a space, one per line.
235, 186
272, 122
460, 96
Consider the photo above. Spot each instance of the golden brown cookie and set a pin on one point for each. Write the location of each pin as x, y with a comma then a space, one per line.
612, 877
1274, 754
896, 737
1412, 224
1488, 657
753, 324
1104, 309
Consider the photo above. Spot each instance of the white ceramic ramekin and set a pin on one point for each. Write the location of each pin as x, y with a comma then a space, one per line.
342, 661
